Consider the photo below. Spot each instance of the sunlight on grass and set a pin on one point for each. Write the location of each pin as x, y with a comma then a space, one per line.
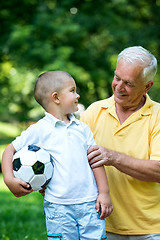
8, 132
7, 129
2, 147
3, 187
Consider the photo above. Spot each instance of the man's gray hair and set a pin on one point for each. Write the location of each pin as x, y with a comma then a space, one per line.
140, 55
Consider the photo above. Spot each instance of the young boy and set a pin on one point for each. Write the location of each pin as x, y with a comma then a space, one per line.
72, 201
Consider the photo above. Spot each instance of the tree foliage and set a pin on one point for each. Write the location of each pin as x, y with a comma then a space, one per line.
80, 37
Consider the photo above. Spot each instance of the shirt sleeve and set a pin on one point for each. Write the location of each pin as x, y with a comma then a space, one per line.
90, 115
27, 137
85, 117
89, 136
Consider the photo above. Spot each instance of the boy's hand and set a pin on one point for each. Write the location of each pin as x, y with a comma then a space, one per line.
18, 187
42, 191
104, 205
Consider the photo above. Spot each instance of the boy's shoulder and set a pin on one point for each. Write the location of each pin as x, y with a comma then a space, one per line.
83, 124
38, 125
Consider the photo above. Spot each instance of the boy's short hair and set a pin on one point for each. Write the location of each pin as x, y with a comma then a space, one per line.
47, 83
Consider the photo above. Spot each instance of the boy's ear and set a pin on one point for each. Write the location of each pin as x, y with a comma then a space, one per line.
55, 97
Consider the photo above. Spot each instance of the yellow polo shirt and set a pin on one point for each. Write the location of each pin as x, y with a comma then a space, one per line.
136, 203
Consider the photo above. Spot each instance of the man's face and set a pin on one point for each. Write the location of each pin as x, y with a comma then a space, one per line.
128, 86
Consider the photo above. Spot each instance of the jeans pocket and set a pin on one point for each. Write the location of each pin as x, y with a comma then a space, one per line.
55, 236
104, 238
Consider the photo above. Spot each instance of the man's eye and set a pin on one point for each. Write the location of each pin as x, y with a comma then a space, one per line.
117, 78
129, 84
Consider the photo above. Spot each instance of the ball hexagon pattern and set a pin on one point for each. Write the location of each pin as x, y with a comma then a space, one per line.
33, 165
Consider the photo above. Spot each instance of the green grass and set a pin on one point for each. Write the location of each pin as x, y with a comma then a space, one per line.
8, 129
21, 218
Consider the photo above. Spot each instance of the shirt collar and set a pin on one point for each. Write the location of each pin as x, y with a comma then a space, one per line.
108, 103
145, 110
73, 119
49, 117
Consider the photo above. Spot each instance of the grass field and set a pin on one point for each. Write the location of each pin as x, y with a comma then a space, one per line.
20, 218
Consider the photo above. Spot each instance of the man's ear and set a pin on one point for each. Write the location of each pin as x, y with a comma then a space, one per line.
149, 85
55, 97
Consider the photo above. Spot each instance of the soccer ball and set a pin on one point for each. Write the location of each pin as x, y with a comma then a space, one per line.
33, 165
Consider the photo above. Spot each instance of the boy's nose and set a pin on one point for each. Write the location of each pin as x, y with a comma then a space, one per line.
78, 96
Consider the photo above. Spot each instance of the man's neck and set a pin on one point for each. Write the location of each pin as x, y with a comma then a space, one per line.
125, 112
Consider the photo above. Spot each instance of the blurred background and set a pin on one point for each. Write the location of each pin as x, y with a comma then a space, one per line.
82, 37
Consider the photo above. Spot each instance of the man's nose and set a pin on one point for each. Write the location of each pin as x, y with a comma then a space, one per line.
120, 85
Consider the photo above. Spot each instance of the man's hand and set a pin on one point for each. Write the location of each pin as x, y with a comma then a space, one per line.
98, 156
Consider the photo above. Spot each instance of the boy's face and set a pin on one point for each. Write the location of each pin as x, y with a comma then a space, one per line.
68, 97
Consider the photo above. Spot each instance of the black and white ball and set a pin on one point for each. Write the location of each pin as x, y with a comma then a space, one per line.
33, 165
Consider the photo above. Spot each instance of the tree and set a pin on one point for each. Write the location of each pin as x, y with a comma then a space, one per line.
80, 37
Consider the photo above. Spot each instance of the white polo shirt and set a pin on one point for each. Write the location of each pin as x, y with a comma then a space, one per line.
73, 180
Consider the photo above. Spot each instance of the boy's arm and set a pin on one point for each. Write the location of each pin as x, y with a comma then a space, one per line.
15, 185
103, 204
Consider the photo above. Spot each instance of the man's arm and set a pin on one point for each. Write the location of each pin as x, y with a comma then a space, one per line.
15, 185
103, 202
144, 170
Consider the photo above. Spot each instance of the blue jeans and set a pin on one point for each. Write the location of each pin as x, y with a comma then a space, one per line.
74, 222
113, 236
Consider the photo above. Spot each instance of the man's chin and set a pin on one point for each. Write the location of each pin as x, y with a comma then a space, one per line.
120, 98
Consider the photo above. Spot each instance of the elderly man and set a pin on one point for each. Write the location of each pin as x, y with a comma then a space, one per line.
126, 127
